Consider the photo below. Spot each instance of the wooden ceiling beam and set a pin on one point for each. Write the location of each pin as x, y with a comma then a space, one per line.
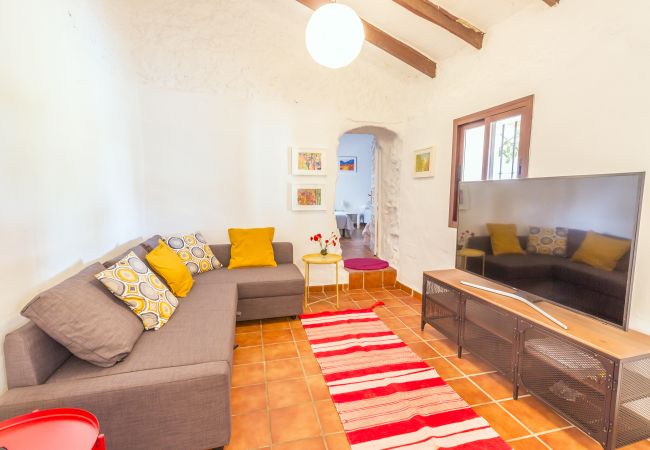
388, 43
439, 16
551, 2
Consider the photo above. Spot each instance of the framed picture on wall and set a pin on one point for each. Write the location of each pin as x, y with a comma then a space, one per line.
307, 197
424, 162
347, 163
307, 161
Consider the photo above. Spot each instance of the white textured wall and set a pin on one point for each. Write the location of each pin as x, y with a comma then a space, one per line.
586, 62
389, 149
226, 88
68, 136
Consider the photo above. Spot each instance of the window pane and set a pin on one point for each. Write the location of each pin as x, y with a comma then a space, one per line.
473, 153
504, 149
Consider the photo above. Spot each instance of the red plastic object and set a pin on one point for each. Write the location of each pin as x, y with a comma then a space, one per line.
52, 429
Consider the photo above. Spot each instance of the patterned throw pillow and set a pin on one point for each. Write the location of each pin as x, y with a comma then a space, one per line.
547, 241
194, 252
131, 280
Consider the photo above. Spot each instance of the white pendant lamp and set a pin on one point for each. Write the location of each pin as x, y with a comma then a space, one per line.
334, 35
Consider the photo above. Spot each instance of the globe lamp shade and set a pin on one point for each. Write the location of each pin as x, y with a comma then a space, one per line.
334, 35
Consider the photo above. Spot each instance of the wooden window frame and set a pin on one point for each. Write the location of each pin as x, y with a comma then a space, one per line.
523, 106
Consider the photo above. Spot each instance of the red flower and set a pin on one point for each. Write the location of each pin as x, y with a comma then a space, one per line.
311, 238
334, 244
327, 241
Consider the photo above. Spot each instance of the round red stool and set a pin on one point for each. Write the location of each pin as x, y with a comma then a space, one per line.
52, 429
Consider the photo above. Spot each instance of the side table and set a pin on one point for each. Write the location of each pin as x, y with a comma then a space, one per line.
472, 253
53, 429
317, 258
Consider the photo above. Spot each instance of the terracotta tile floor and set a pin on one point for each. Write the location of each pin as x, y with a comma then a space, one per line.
280, 400
354, 246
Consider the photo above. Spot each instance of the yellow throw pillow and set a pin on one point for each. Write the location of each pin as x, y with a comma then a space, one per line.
251, 247
600, 251
166, 263
503, 237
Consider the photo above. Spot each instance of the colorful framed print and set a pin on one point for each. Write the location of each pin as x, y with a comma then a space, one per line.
347, 163
307, 161
424, 162
308, 197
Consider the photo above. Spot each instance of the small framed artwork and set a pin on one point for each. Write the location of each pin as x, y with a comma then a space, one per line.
424, 162
307, 197
347, 163
307, 161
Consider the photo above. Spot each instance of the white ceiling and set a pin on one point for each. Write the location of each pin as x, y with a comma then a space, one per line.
432, 40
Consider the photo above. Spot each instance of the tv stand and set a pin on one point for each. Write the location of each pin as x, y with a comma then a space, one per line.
519, 298
595, 375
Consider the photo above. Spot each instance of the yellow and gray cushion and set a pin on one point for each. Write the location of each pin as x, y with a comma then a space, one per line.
547, 241
194, 251
131, 280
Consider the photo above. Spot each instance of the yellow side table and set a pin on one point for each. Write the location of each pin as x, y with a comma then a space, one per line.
472, 253
317, 258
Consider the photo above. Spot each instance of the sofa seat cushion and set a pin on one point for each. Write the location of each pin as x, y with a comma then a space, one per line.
255, 282
511, 267
201, 330
610, 283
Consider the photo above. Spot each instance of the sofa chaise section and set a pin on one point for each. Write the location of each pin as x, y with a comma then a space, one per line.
264, 292
172, 391
168, 408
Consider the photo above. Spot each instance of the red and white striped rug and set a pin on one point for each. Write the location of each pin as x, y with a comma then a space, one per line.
386, 396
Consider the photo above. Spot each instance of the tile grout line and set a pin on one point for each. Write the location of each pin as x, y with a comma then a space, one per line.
311, 395
266, 385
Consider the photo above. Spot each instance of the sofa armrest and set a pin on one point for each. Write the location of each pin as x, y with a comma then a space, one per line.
31, 356
283, 252
188, 406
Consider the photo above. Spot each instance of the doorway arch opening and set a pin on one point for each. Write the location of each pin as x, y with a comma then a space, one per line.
367, 191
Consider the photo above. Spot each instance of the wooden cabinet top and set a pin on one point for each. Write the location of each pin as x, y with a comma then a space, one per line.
589, 331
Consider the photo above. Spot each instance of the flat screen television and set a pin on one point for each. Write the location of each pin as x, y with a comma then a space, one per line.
567, 240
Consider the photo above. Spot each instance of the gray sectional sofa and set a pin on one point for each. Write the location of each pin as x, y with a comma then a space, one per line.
173, 390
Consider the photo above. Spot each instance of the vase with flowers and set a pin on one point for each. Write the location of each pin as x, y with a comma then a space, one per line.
324, 243
462, 239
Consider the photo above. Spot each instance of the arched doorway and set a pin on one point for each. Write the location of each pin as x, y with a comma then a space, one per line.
354, 197
377, 232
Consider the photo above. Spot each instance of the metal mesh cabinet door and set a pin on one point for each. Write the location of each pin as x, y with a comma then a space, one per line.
441, 308
632, 422
489, 333
573, 379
